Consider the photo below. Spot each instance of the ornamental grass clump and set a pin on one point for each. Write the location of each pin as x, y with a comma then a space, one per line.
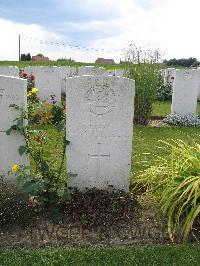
174, 181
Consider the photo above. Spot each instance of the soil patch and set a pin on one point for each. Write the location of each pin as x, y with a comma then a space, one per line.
95, 218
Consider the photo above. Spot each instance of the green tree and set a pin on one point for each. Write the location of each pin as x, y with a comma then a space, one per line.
23, 57
184, 62
28, 57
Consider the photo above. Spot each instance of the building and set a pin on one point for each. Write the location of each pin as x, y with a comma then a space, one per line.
39, 58
105, 61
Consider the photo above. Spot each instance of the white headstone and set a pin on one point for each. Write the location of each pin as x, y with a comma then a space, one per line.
12, 91
48, 95
185, 92
66, 72
12, 71
48, 81
91, 70
99, 128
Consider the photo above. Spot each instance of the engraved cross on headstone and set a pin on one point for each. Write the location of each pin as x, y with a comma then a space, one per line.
1, 93
99, 156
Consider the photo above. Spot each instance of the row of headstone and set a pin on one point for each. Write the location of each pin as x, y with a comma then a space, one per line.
64, 71
93, 70
169, 76
50, 80
99, 127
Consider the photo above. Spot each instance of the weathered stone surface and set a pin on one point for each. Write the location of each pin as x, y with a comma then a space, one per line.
186, 89
66, 72
9, 71
48, 95
111, 72
12, 91
119, 72
91, 70
99, 128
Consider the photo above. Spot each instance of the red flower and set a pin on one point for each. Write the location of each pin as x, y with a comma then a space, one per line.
24, 75
32, 77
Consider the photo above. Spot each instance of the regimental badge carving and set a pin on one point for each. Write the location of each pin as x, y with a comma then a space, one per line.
187, 75
101, 99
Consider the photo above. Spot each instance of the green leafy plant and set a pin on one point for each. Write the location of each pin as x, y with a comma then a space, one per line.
58, 112
143, 68
44, 113
45, 183
174, 181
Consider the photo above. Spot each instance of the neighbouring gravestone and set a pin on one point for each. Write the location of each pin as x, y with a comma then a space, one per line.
91, 70
186, 89
116, 72
119, 72
47, 95
66, 72
169, 74
111, 72
12, 91
48, 81
99, 128
9, 71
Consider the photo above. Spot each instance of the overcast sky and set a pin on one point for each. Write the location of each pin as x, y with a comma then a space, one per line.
170, 25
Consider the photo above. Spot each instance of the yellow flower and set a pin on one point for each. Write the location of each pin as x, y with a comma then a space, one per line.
15, 168
29, 94
34, 90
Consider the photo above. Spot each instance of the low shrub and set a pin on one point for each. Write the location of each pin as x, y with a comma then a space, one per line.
58, 113
44, 113
182, 120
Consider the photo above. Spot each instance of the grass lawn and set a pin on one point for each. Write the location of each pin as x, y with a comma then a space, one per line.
23, 64
163, 108
146, 143
138, 255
